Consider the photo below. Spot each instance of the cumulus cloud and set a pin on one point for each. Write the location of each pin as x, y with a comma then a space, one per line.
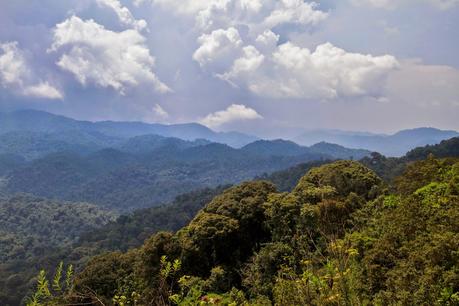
253, 59
249, 62
16, 74
13, 67
267, 41
392, 4
181, 6
235, 112
43, 90
257, 15
123, 13
220, 47
160, 112
106, 58
296, 12
294, 72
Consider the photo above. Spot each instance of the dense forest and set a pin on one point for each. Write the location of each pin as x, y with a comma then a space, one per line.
341, 236
141, 171
85, 236
34, 232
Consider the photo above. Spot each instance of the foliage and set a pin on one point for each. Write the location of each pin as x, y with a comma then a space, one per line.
339, 238
130, 231
126, 181
37, 232
60, 291
253, 238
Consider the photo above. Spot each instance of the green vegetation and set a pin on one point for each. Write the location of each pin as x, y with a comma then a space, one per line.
390, 167
129, 231
125, 181
268, 238
35, 232
341, 237
64, 231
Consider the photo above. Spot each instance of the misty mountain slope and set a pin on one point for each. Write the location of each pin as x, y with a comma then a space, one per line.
149, 143
391, 145
281, 147
32, 145
338, 151
446, 148
276, 147
39, 121
125, 181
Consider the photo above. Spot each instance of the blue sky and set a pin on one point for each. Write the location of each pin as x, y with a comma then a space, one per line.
268, 67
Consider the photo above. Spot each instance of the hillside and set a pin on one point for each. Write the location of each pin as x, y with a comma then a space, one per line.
43, 122
389, 167
143, 170
32, 145
130, 231
338, 236
34, 230
125, 181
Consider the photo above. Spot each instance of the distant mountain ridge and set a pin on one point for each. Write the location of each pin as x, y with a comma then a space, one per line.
391, 145
280, 147
39, 121
34, 134
143, 170
39, 127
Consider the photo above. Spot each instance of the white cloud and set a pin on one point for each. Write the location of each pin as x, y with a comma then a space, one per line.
182, 6
257, 15
235, 112
296, 12
267, 41
290, 71
160, 112
392, 4
13, 67
43, 90
123, 13
16, 74
250, 61
108, 59
220, 46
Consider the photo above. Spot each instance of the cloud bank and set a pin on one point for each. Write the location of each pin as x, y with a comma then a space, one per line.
16, 74
94, 54
234, 112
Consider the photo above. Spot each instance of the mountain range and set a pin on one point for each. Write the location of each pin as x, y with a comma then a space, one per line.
390, 145
149, 170
39, 121
51, 131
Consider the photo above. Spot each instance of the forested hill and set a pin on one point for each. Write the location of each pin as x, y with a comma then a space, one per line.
43, 122
389, 167
147, 170
339, 237
131, 230
386, 167
33, 233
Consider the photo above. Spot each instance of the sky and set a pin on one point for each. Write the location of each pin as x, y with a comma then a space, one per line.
272, 68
